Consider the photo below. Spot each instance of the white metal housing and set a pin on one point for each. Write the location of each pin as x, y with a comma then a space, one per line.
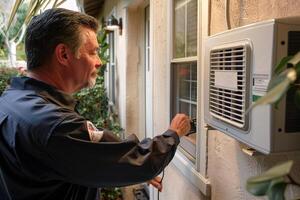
238, 66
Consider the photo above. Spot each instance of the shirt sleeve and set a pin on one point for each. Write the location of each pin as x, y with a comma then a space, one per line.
109, 162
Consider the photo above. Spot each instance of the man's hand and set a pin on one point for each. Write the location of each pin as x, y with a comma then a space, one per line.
180, 124
156, 182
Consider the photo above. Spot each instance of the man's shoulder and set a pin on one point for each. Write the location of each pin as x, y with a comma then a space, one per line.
37, 115
32, 108
27, 103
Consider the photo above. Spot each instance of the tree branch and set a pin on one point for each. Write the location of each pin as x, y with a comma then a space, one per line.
21, 35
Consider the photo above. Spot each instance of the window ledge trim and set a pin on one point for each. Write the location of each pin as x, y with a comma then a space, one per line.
186, 59
188, 170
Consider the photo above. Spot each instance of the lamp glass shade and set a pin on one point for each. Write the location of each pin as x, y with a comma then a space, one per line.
112, 23
112, 27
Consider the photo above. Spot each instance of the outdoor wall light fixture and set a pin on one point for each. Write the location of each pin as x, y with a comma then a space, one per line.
113, 24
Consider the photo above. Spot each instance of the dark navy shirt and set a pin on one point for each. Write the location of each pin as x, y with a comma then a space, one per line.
47, 152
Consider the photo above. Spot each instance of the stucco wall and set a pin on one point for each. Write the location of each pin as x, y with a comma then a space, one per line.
130, 62
160, 66
228, 167
243, 12
134, 58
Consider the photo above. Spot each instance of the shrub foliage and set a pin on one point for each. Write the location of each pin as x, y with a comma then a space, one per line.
5, 75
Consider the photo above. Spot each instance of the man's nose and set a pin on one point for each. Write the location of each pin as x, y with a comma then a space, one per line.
99, 63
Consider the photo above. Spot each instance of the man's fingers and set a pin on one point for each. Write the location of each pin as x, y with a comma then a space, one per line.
157, 178
155, 183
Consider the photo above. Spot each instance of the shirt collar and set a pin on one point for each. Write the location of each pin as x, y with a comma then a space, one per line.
47, 91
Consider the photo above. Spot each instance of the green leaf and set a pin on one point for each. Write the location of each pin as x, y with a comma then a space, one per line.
290, 74
271, 96
102, 36
296, 59
276, 189
282, 64
273, 173
104, 48
278, 86
104, 45
258, 189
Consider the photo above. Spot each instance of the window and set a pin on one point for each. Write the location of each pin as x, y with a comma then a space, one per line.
184, 68
111, 68
185, 58
185, 28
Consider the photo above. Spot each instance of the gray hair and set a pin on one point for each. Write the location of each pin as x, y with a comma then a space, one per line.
52, 27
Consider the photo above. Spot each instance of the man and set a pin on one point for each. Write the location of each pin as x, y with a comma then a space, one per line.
47, 150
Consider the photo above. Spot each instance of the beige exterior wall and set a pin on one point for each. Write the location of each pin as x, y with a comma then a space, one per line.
228, 167
129, 60
244, 12
160, 66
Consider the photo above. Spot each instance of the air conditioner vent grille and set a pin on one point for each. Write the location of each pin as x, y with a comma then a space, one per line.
228, 99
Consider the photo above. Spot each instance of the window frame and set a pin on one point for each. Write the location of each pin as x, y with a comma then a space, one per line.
185, 144
110, 74
196, 172
111, 68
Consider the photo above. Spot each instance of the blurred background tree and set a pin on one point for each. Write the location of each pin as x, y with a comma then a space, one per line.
14, 18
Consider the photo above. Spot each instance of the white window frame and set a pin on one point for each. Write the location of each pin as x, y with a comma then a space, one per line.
196, 172
111, 68
148, 72
185, 145
110, 75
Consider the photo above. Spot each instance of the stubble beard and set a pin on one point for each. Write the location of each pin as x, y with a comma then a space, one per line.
92, 82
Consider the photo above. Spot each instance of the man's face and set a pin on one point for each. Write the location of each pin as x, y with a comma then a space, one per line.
86, 61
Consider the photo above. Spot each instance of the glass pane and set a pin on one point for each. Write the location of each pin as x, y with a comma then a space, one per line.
111, 70
194, 71
184, 107
191, 32
179, 28
184, 85
193, 111
185, 28
194, 91
184, 98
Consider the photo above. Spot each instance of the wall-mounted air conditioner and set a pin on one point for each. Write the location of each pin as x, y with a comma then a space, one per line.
238, 66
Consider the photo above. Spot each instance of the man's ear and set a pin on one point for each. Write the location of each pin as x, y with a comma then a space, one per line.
62, 54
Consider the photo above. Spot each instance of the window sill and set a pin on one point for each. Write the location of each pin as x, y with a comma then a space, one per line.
187, 168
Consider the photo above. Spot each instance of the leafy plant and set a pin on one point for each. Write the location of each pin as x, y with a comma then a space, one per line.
274, 181
111, 194
5, 75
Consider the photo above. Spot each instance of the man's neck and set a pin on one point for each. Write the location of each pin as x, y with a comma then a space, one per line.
51, 77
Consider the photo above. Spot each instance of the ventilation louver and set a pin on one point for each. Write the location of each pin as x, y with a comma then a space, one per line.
228, 91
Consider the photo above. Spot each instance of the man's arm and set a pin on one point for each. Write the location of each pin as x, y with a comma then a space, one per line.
110, 163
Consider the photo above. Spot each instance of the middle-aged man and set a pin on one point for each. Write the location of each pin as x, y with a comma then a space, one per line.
47, 150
